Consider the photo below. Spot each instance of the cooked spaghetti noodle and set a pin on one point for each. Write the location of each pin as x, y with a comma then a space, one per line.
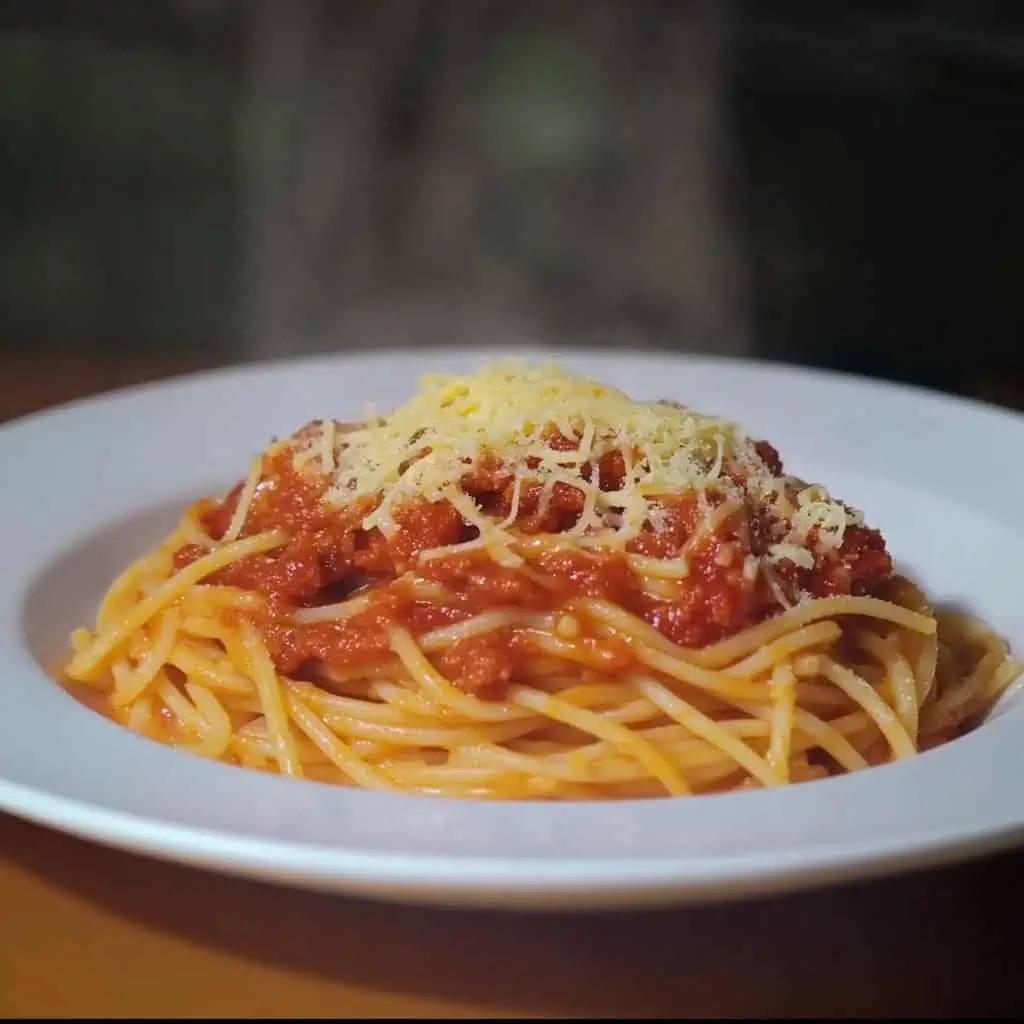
526, 585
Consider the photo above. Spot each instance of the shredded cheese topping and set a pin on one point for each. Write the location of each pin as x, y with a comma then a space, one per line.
522, 417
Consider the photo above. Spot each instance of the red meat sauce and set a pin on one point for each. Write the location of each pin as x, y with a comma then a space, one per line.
329, 557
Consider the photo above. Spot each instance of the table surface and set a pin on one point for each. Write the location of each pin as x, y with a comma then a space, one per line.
87, 931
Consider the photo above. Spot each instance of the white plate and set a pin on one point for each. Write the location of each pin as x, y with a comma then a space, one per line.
90, 486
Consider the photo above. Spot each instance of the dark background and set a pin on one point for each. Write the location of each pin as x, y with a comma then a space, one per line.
210, 180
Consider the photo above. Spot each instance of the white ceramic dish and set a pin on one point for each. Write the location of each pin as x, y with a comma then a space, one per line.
89, 486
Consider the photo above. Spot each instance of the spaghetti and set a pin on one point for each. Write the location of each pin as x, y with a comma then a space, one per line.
524, 585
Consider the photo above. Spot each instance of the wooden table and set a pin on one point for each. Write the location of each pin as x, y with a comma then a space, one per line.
85, 931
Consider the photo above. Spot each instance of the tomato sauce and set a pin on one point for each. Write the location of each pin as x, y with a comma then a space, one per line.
329, 557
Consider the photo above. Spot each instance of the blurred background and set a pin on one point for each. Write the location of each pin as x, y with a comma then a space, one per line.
195, 182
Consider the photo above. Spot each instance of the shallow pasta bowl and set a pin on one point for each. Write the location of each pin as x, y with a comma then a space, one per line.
90, 486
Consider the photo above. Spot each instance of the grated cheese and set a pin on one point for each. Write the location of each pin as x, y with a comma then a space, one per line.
790, 552
424, 448
816, 511
245, 499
